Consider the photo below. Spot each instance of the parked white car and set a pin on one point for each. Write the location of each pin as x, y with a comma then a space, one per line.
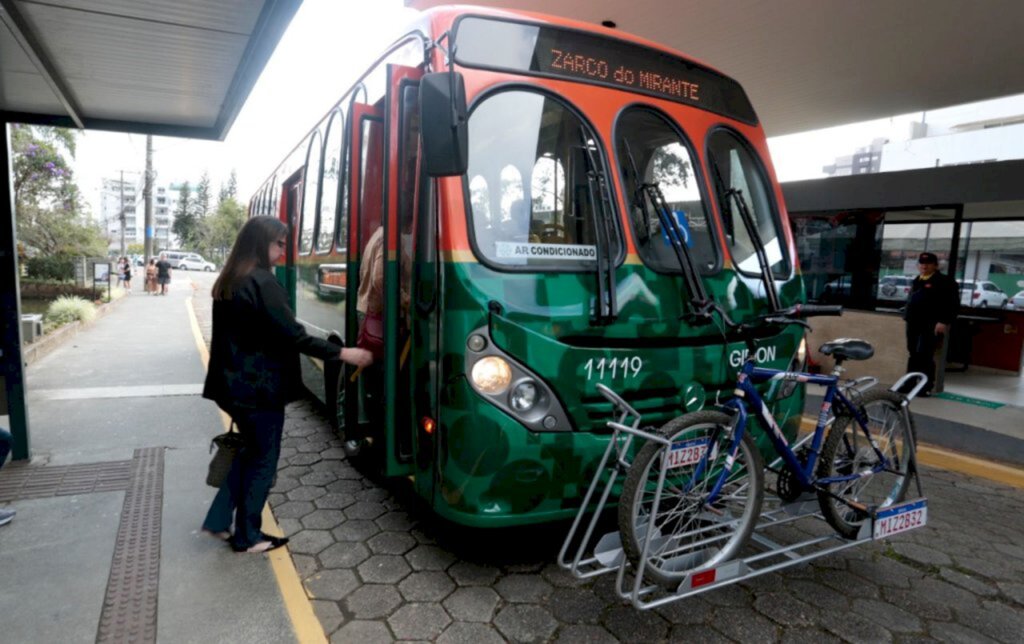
982, 294
895, 287
1017, 301
195, 262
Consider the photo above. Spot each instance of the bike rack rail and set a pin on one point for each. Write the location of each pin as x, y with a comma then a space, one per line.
763, 554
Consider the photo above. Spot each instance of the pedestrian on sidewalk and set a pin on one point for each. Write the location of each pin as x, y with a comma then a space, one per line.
6, 440
163, 273
253, 373
151, 286
119, 270
931, 308
127, 268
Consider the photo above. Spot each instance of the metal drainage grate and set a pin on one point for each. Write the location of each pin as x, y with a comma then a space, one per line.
130, 606
20, 482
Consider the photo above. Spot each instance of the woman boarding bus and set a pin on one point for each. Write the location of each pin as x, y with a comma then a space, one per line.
561, 204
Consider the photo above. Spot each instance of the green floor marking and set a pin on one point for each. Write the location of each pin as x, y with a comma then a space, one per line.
967, 400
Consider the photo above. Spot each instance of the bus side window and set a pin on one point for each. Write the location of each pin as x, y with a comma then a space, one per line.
331, 183
310, 194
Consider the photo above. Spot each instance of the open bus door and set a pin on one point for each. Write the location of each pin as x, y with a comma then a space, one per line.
366, 184
403, 194
384, 149
291, 190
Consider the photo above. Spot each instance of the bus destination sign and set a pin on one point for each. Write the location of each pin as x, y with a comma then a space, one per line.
543, 50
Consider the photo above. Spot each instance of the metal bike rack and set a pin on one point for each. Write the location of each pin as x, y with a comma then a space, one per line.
766, 551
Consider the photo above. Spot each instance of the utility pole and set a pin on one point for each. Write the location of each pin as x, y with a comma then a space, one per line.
122, 215
147, 194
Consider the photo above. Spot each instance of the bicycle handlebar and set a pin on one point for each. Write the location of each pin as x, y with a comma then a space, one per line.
791, 315
809, 311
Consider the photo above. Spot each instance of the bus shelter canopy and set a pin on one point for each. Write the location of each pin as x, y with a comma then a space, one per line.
181, 68
816, 64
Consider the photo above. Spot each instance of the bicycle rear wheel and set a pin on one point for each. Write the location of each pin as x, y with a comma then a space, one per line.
688, 534
847, 451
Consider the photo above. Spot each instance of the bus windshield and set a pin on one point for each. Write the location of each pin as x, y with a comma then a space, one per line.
652, 153
531, 206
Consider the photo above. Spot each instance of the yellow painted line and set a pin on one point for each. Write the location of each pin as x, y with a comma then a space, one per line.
305, 624
954, 461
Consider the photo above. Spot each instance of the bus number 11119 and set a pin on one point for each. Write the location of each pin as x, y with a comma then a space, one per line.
628, 367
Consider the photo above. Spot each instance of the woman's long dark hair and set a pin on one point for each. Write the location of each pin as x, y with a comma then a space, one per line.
251, 251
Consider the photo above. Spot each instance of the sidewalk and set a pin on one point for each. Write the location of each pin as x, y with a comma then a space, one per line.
961, 424
106, 544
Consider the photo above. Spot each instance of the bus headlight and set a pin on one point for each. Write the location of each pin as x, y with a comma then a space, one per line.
523, 396
491, 375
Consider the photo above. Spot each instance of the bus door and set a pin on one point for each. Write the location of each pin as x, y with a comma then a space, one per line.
366, 187
403, 137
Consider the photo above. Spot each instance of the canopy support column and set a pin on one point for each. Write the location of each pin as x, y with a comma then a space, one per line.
12, 370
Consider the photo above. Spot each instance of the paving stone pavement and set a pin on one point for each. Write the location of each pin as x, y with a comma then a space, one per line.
379, 568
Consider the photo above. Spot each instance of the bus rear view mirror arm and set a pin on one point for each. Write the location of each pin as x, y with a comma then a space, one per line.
443, 114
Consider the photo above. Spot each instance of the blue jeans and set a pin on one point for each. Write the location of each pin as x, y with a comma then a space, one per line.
247, 486
6, 440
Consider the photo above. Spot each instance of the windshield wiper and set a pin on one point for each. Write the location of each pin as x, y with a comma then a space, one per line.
736, 195
699, 302
605, 310
759, 250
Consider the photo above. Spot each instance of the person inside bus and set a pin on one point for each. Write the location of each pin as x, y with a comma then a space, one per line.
370, 306
253, 373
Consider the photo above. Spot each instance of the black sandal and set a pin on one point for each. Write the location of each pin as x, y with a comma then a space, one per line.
275, 543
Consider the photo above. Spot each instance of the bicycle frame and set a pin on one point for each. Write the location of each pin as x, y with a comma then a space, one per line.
746, 395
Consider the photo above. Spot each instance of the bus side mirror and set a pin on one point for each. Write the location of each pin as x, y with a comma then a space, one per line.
443, 118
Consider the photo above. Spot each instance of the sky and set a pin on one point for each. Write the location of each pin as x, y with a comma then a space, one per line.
290, 96
300, 84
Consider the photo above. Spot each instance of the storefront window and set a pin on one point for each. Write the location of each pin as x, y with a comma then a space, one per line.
991, 266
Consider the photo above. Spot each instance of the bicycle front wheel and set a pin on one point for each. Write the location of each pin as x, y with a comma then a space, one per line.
689, 533
848, 451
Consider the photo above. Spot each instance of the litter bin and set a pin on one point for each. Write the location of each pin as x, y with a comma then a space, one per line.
31, 327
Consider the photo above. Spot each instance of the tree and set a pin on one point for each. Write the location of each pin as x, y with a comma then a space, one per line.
49, 208
184, 227
201, 204
229, 191
224, 225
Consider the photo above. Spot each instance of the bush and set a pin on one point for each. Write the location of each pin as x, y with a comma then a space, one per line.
68, 309
55, 267
51, 290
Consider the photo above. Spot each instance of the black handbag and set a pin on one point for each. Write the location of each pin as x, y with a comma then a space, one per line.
227, 445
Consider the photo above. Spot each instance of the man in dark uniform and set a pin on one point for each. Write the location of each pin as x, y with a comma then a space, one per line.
931, 307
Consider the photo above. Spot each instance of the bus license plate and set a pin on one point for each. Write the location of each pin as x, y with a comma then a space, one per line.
900, 518
687, 452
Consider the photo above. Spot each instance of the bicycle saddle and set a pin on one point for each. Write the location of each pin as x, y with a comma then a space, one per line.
848, 349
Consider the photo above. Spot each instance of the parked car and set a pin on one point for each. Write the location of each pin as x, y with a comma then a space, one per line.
194, 262
1017, 301
982, 294
838, 290
895, 287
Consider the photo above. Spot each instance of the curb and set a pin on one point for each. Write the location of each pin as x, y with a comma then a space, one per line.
947, 459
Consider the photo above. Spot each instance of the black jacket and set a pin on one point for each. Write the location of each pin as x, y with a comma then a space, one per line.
932, 300
254, 354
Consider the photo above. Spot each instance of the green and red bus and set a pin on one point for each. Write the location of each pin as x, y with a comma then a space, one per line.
559, 201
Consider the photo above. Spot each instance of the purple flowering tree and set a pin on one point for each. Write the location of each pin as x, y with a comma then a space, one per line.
49, 209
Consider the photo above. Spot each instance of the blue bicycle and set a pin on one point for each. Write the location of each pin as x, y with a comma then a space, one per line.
692, 501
